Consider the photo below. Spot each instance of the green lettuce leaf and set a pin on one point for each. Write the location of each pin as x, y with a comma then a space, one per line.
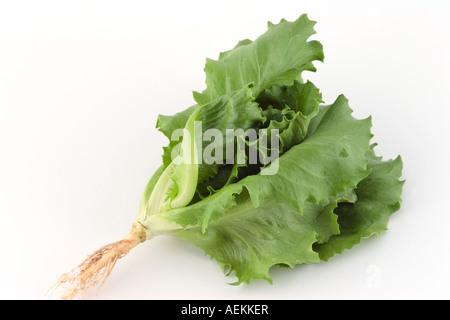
379, 196
168, 125
277, 57
249, 241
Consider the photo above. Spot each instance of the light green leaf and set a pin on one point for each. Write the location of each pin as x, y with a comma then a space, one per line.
236, 110
167, 125
277, 57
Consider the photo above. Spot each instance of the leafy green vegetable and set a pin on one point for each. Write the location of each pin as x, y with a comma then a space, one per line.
329, 190
316, 189
276, 58
378, 198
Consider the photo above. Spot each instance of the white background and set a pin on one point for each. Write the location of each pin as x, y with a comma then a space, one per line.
82, 83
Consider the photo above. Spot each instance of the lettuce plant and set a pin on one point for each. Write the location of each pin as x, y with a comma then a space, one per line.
315, 189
